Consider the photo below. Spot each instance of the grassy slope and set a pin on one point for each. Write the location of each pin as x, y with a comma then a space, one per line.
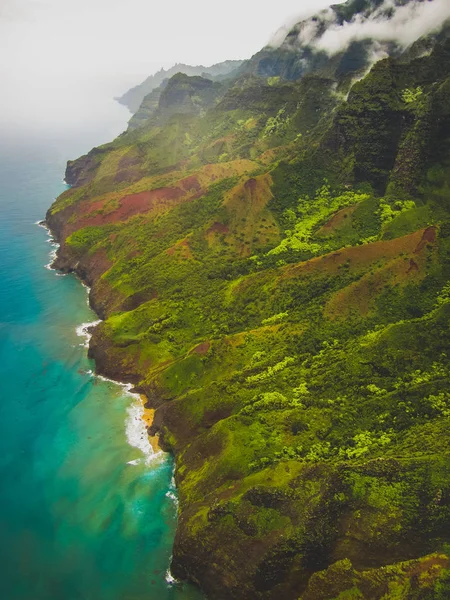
275, 278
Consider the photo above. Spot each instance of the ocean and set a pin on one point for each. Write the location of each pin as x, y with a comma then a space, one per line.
87, 511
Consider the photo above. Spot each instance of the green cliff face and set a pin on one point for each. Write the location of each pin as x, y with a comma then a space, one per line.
274, 275
179, 95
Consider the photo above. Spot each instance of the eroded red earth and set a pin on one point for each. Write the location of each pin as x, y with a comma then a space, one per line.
155, 201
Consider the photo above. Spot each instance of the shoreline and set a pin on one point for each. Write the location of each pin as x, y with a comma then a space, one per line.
137, 411
136, 437
139, 414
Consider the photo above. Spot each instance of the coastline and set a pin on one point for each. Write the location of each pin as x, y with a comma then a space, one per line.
140, 418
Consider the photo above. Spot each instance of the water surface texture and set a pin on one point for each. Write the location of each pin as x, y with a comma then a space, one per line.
84, 514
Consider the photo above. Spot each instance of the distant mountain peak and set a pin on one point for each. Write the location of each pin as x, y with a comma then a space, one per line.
134, 97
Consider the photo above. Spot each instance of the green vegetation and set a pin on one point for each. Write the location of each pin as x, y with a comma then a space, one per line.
273, 269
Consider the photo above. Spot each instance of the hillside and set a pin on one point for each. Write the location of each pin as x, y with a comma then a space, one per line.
179, 94
271, 261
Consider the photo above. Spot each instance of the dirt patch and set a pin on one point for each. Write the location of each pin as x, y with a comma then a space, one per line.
337, 221
154, 201
215, 234
251, 185
145, 201
181, 250
171, 191
202, 348
213, 172
428, 237
413, 266
191, 184
218, 228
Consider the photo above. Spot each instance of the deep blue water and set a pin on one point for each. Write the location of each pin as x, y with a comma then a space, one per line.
77, 520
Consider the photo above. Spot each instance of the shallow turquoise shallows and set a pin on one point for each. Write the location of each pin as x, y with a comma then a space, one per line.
84, 514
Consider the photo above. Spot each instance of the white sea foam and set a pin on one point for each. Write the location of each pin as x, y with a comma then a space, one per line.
52, 256
172, 496
171, 493
127, 387
88, 289
135, 427
83, 331
136, 430
50, 240
170, 579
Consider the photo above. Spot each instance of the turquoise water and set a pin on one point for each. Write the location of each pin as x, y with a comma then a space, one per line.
83, 513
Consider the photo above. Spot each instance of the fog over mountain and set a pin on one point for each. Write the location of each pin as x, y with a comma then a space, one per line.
66, 62
389, 22
63, 62
335, 28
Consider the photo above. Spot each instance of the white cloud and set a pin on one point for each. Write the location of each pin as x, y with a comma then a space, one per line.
408, 23
312, 9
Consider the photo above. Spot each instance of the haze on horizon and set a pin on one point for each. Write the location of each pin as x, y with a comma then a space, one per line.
64, 61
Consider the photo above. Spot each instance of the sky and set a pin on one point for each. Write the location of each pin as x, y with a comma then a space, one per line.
64, 60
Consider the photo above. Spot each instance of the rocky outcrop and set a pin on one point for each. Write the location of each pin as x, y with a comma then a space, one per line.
80, 172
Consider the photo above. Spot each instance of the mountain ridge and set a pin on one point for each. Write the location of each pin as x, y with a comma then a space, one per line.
297, 54
133, 98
